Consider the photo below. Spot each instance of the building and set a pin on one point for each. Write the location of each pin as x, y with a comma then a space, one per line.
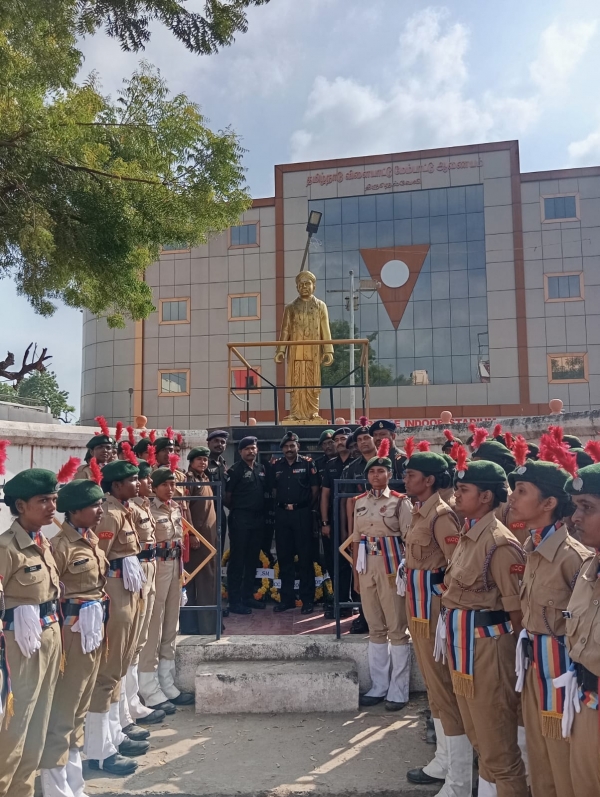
488, 303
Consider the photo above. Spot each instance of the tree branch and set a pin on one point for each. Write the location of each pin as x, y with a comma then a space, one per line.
88, 170
26, 368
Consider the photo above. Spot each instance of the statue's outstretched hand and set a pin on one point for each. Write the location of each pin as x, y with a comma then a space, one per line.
279, 357
327, 359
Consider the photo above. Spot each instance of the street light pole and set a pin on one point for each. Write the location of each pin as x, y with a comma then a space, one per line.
352, 381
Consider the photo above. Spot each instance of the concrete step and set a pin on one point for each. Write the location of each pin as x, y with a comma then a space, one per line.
278, 687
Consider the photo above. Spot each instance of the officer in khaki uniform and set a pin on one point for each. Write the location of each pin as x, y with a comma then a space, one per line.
157, 659
583, 633
119, 540
82, 566
482, 621
31, 627
100, 446
554, 559
165, 447
430, 543
378, 519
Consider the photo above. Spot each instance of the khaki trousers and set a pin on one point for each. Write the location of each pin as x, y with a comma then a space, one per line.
549, 759
33, 683
71, 701
384, 609
121, 638
146, 607
490, 717
436, 674
162, 629
585, 752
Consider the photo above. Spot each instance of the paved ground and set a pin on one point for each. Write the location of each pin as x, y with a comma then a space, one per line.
264, 621
334, 755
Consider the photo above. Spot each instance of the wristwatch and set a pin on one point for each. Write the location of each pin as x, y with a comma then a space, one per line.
325, 523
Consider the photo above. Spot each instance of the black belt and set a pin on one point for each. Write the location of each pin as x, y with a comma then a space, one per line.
291, 507
72, 609
586, 679
490, 618
438, 578
147, 555
168, 553
50, 607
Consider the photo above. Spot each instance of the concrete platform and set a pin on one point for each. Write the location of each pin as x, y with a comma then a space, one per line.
277, 687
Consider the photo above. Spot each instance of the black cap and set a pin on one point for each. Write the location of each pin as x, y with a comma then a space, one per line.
247, 441
218, 433
382, 424
289, 437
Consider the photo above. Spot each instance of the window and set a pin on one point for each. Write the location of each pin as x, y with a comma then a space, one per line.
567, 368
173, 383
175, 246
244, 306
561, 207
241, 380
243, 235
174, 311
566, 287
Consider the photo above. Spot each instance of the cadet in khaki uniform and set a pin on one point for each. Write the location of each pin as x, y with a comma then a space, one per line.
31, 628
430, 543
165, 448
100, 447
376, 523
483, 619
554, 559
81, 566
157, 659
118, 538
583, 634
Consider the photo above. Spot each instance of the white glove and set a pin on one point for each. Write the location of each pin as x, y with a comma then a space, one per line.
133, 575
439, 647
521, 662
89, 625
28, 629
184, 598
361, 559
401, 579
572, 705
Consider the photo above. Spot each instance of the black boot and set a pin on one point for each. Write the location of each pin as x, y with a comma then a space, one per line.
183, 699
115, 764
420, 777
166, 708
131, 748
135, 733
152, 719
239, 608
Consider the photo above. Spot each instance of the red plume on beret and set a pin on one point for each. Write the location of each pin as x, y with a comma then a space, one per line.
448, 435
118, 430
169, 432
566, 460
96, 472
497, 430
143, 433
101, 420
472, 428
173, 462
363, 420
461, 459
68, 470
592, 447
509, 441
129, 454
409, 447
152, 435
179, 439
384, 448
131, 434
557, 433
479, 436
151, 456
454, 450
520, 450
547, 444
3, 446
424, 445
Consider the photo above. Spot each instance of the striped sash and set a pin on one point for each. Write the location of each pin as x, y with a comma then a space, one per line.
419, 591
550, 659
388, 547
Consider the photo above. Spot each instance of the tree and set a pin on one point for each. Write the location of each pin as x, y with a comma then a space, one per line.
91, 188
334, 374
42, 386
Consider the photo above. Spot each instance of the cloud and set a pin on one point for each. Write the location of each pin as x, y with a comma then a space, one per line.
586, 151
424, 101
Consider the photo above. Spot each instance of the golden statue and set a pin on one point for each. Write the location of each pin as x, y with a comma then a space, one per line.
306, 318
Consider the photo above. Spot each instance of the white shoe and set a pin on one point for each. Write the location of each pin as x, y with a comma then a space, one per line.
398, 689
136, 708
459, 780
166, 678
54, 782
75, 773
150, 689
98, 744
379, 669
438, 766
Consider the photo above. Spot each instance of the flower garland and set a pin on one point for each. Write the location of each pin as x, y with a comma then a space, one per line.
262, 593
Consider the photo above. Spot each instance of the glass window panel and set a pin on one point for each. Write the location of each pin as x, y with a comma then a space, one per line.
461, 343
442, 345
349, 236
367, 208
368, 318
333, 238
439, 229
440, 285
367, 234
459, 285
403, 205
243, 306
441, 313
457, 256
438, 203
420, 231
403, 232
474, 198
404, 367
438, 254
459, 313
252, 228
405, 343
476, 254
316, 262
442, 371
477, 282
475, 227
333, 265
571, 367
559, 207
424, 343
235, 236
563, 287
457, 228
383, 319
385, 207
385, 233
244, 235
183, 311
422, 289
387, 344
553, 287
479, 341
350, 210
456, 200
574, 285
478, 311
333, 212
422, 315
408, 317
383, 373
252, 305
235, 308
570, 207
420, 204
166, 311
461, 370
174, 383
549, 208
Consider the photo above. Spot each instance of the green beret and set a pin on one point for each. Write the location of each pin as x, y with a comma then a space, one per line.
572, 441
587, 481
100, 440
326, 435
163, 442
534, 451
385, 462
118, 470
141, 446
27, 483
583, 458
493, 451
450, 443
482, 473
545, 475
78, 494
161, 475
451, 462
144, 469
201, 451
427, 462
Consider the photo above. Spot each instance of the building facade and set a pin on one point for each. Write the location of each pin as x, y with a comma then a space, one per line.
479, 291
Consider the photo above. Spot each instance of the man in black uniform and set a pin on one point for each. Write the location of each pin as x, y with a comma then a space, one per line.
380, 430
332, 471
245, 498
328, 447
217, 468
296, 488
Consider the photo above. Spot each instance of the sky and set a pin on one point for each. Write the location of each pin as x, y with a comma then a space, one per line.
319, 79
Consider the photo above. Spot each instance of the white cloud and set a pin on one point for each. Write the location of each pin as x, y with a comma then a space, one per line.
586, 151
561, 48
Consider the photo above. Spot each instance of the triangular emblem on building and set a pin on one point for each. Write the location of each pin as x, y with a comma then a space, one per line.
397, 269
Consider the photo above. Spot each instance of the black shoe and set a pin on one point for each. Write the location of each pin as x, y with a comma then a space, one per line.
345, 613
131, 748
135, 733
369, 700
183, 699
225, 612
429, 724
152, 719
359, 626
329, 613
420, 777
239, 608
167, 707
308, 608
252, 603
391, 705
283, 607
115, 764
430, 737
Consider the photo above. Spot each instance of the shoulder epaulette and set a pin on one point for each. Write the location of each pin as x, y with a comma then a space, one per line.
362, 495
396, 494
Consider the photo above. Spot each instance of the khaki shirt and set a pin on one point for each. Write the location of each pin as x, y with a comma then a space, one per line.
550, 573
518, 527
380, 517
433, 535
468, 585
583, 629
29, 575
81, 563
145, 524
83, 472
169, 526
116, 531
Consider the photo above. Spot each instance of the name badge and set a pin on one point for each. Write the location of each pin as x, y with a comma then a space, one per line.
105, 535
81, 561
361, 510
33, 568
162, 520
248, 475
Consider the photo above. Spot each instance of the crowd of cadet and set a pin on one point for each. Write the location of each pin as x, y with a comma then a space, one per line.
487, 556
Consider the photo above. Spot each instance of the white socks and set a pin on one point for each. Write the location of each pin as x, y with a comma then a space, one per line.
166, 678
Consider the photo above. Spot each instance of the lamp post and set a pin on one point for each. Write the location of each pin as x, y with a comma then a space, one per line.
314, 219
